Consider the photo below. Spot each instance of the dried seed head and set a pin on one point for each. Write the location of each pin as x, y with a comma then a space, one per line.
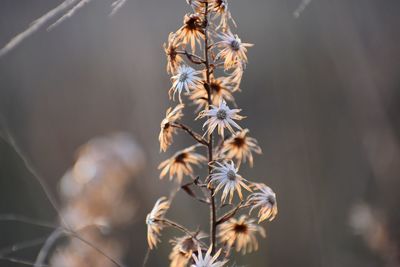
221, 114
231, 175
183, 77
235, 44
240, 228
238, 141
181, 158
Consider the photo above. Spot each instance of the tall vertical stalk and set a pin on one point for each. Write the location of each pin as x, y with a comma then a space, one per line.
213, 225
193, 75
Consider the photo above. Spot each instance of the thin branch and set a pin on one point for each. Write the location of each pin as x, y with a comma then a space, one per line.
195, 135
35, 26
22, 245
146, 257
195, 59
69, 14
175, 225
181, 228
21, 261
50, 241
116, 6
24, 219
9, 139
299, 10
90, 244
190, 192
231, 213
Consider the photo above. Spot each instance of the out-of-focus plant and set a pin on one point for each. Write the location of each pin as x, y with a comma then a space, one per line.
206, 61
371, 224
94, 193
95, 206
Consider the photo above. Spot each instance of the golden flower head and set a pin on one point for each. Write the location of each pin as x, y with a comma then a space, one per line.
167, 130
233, 51
185, 79
221, 88
227, 177
241, 234
180, 163
154, 226
221, 117
240, 147
207, 260
183, 248
192, 30
265, 199
171, 50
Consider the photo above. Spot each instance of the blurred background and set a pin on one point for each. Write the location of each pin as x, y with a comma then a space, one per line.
322, 96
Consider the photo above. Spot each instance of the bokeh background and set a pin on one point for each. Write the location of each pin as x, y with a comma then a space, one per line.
321, 93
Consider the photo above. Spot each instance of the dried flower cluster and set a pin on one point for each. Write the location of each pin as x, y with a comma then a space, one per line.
96, 203
206, 61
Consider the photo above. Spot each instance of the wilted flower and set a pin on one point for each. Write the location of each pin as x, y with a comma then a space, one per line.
174, 59
180, 163
191, 31
220, 88
225, 174
241, 234
220, 7
235, 77
154, 226
208, 260
167, 130
197, 5
185, 78
265, 200
240, 146
233, 50
222, 117
183, 248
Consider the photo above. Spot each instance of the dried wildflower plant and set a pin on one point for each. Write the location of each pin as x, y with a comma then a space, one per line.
206, 61
96, 203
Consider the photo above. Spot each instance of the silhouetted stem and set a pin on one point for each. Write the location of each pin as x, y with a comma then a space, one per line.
192, 57
190, 192
179, 227
213, 225
195, 135
231, 213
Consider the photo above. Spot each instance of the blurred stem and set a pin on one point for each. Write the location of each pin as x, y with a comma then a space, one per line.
93, 246
24, 219
45, 250
213, 220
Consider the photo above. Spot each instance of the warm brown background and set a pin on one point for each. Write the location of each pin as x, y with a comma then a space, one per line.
321, 94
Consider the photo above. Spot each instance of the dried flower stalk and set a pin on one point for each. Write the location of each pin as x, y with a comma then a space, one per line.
196, 78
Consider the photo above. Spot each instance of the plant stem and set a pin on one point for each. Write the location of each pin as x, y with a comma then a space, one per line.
195, 135
213, 224
181, 228
192, 57
231, 213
